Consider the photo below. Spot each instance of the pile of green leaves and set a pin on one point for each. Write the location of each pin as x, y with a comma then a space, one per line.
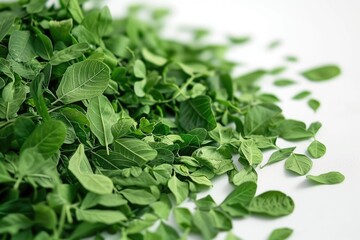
107, 126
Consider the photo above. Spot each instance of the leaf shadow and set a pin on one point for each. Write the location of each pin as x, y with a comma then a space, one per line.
307, 184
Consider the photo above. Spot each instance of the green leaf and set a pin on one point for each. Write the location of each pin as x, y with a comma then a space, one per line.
37, 94
215, 159
45, 216
314, 127
245, 175
139, 69
273, 204
242, 194
60, 30
6, 21
21, 46
183, 217
298, 163
327, 178
301, 95
231, 236
106, 200
152, 58
179, 188
83, 80
280, 234
163, 207
316, 149
251, 152
322, 73
35, 6
277, 70
239, 40
250, 78
293, 130
101, 116
4, 175
203, 222
274, 44
313, 104
100, 216
221, 219
79, 166
165, 231
13, 223
134, 150
31, 162
279, 155
75, 10
69, 53
284, 82
197, 113
206, 203
43, 46
114, 160
139, 88
258, 119
47, 138
222, 135
9, 108
138, 196
122, 127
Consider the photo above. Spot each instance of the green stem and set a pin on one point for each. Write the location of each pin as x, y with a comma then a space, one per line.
17, 183
58, 233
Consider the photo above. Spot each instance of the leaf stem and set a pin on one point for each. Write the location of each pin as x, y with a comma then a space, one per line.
17, 183
61, 223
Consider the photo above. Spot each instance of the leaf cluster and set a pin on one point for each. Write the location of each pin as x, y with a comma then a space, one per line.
107, 126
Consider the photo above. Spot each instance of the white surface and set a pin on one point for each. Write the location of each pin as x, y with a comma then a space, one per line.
318, 32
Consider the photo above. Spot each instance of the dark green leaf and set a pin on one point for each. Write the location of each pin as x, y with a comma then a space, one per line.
197, 113
13, 223
47, 138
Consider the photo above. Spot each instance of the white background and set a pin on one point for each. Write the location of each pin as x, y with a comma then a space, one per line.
318, 32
